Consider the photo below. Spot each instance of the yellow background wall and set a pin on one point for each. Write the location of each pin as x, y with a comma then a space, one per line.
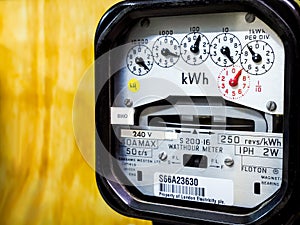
45, 48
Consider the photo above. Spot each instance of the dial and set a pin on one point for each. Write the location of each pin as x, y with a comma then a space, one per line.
194, 48
166, 51
139, 60
257, 57
225, 49
233, 82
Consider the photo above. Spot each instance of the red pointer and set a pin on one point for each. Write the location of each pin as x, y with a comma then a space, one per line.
234, 81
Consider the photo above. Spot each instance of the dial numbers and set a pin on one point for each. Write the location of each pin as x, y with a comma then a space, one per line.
257, 57
139, 60
166, 51
233, 82
225, 49
194, 48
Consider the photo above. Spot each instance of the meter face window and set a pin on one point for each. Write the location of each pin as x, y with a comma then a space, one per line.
197, 110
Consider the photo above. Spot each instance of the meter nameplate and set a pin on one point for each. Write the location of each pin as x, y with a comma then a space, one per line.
193, 188
237, 168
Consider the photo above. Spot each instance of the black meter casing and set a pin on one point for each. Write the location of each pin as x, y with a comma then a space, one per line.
117, 189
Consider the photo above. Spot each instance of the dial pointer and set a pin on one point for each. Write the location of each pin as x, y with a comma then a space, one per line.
195, 47
166, 52
226, 51
140, 61
234, 81
255, 56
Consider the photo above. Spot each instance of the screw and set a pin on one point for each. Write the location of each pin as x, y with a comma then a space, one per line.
250, 18
163, 156
229, 162
275, 171
128, 102
145, 22
271, 106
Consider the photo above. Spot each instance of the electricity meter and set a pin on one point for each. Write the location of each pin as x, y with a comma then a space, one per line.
197, 115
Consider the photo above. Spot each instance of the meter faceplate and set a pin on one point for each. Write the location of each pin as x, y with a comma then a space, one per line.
196, 110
